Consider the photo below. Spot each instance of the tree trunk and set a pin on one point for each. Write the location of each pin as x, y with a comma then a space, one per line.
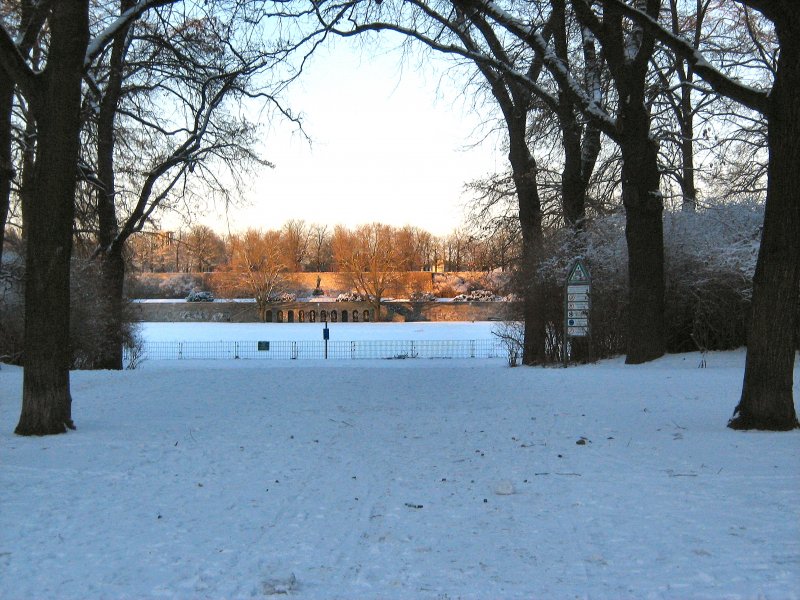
573, 190
767, 401
6, 164
644, 232
46, 400
686, 118
112, 263
523, 168
112, 271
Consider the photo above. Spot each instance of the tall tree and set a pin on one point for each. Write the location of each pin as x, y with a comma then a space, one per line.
295, 241
627, 54
257, 264
54, 99
113, 263
767, 401
205, 248
192, 61
369, 257
54, 96
320, 251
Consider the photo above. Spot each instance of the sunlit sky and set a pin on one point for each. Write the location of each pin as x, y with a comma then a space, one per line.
390, 143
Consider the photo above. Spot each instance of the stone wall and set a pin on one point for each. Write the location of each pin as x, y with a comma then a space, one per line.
245, 312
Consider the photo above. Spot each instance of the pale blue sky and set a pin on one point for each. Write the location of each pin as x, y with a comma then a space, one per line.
390, 143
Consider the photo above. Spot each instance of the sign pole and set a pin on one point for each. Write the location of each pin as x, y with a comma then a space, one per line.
577, 304
564, 349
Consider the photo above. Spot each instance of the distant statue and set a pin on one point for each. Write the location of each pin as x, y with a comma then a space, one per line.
319, 279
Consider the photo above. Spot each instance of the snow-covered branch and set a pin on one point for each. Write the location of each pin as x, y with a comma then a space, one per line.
15, 66
105, 37
721, 83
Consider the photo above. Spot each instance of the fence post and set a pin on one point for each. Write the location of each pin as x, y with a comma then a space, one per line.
236, 350
294, 350
472, 348
180, 350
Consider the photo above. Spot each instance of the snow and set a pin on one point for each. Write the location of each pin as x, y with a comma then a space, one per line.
429, 330
399, 479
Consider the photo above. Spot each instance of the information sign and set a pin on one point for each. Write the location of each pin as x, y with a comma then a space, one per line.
577, 302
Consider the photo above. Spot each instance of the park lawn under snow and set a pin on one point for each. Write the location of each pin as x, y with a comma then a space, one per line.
232, 332
400, 479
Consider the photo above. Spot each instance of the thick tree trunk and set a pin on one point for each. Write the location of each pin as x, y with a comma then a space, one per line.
112, 270
523, 168
46, 400
644, 232
767, 401
6, 164
112, 263
573, 190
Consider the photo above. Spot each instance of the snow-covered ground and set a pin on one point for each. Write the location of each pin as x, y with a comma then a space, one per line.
232, 332
400, 479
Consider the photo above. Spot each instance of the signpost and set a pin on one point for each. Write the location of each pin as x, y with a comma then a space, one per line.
325, 336
577, 304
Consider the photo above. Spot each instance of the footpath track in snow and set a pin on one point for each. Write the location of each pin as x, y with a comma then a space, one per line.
400, 479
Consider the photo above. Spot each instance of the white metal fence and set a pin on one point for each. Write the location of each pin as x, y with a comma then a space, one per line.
316, 349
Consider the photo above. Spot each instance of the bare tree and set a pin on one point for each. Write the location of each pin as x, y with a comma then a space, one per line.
192, 61
320, 248
369, 257
257, 266
295, 242
29, 18
767, 401
54, 97
205, 249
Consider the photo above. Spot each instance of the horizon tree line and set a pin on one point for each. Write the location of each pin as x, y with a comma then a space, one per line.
304, 247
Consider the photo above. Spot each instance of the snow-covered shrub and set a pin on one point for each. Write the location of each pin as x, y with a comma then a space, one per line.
602, 247
283, 297
478, 296
449, 285
350, 297
199, 296
178, 286
422, 297
710, 258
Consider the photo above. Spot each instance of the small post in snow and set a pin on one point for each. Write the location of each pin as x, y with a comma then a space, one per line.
325, 336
